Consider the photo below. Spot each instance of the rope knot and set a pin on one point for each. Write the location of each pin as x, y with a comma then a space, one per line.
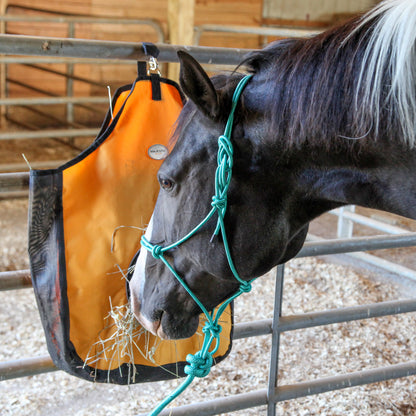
219, 203
225, 161
213, 329
157, 252
198, 366
225, 147
245, 287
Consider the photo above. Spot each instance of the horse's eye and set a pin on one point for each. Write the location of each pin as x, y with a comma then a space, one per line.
166, 184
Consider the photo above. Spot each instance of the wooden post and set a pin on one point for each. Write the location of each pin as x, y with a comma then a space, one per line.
181, 27
3, 7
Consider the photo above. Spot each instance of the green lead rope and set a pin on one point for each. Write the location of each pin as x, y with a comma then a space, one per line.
199, 364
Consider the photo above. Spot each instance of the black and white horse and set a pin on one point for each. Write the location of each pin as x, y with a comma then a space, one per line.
324, 121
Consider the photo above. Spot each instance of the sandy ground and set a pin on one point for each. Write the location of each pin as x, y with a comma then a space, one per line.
310, 284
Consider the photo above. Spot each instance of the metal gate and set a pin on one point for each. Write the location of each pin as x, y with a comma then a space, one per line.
273, 327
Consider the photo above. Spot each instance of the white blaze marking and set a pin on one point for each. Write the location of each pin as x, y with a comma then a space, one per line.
139, 274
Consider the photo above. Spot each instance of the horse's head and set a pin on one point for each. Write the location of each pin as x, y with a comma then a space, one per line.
293, 158
187, 185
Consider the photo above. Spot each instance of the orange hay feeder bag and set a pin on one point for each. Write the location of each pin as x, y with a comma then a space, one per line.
86, 219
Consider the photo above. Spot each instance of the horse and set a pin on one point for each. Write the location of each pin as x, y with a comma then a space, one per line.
325, 121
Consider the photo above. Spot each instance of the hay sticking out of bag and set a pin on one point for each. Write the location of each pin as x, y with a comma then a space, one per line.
122, 344
118, 342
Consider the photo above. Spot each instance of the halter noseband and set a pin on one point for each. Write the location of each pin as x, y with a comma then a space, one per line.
200, 363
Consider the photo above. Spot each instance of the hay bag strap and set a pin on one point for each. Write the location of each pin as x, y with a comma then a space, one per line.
86, 219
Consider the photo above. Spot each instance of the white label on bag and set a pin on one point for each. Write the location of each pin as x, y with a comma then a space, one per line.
158, 151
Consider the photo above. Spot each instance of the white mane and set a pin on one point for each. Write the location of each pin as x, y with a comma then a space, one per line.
391, 48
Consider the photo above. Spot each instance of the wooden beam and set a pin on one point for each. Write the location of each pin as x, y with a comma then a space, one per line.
3, 7
181, 16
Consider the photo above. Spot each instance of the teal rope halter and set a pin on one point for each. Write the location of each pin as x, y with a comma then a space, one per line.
200, 363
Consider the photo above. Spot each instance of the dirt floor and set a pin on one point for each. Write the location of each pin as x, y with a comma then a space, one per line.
310, 284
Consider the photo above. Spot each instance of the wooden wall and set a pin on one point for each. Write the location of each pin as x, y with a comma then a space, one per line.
226, 12
312, 11
219, 12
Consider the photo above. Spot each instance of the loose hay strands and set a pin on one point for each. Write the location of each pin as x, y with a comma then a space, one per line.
124, 343
121, 344
142, 230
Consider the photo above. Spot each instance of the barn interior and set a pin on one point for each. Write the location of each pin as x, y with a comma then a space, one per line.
52, 108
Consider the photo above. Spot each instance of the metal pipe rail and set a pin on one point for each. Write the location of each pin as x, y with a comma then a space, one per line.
45, 134
39, 365
53, 101
259, 397
18, 181
283, 32
46, 164
4, 59
72, 20
12, 280
289, 392
350, 245
18, 279
368, 222
98, 49
31, 366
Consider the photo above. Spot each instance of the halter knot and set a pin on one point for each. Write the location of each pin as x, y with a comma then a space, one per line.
198, 366
213, 329
157, 252
219, 203
225, 146
224, 160
245, 287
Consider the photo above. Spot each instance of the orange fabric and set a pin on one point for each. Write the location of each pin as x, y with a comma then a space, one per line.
116, 186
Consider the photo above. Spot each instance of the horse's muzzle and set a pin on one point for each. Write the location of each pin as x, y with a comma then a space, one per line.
154, 327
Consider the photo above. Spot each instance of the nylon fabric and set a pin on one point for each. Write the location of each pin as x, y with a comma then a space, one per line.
86, 220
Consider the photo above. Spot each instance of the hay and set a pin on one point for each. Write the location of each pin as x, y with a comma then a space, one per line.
123, 333
121, 344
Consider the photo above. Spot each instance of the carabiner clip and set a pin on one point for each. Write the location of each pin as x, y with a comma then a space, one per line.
153, 66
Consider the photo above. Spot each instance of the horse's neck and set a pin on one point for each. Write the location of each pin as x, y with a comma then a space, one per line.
381, 178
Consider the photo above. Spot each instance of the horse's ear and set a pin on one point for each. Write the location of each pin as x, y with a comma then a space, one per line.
197, 85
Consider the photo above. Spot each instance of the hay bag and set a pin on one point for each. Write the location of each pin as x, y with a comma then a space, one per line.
86, 219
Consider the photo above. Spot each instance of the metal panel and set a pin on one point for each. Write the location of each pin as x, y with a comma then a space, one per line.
132, 51
220, 406
49, 47
344, 381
